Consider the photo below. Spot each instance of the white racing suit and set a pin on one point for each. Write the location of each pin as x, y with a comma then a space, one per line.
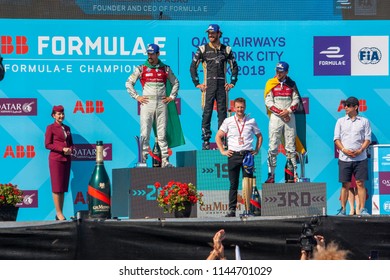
153, 80
279, 98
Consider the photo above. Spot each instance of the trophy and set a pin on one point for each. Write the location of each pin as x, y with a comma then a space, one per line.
140, 140
302, 160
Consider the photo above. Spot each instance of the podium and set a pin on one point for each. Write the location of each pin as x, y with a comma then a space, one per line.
294, 199
135, 196
213, 180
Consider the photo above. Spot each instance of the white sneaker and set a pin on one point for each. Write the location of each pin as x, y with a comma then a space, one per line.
165, 163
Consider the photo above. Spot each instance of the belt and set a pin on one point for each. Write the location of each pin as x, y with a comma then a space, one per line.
216, 78
154, 97
241, 153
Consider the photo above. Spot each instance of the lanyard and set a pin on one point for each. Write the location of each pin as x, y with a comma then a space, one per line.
238, 126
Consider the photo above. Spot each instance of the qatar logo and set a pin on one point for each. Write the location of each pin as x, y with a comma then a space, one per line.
87, 152
28, 107
369, 55
384, 182
30, 199
18, 106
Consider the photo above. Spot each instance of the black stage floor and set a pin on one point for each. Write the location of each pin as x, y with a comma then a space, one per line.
259, 238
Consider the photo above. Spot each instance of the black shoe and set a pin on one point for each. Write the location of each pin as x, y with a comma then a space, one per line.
57, 219
206, 145
270, 179
231, 213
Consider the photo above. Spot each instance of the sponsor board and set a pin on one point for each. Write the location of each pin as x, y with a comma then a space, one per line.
87, 152
351, 56
384, 182
30, 199
216, 204
18, 106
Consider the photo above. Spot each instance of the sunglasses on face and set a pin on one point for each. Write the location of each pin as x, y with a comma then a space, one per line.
348, 105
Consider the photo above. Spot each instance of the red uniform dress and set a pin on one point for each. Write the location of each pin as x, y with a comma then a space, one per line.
58, 137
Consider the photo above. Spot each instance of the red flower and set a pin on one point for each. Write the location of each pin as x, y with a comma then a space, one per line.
157, 185
10, 194
172, 196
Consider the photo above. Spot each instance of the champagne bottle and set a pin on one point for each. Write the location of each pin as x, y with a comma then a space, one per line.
99, 188
255, 206
156, 154
289, 171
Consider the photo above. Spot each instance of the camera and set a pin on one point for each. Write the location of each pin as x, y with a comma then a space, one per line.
306, 239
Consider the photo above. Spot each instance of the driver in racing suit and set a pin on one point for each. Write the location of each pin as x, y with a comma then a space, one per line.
214, 57
281, 100
153, 75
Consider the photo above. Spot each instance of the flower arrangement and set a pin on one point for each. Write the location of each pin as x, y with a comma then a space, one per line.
10, 195
172, 196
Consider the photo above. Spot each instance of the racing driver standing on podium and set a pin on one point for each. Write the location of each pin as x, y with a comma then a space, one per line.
214, 57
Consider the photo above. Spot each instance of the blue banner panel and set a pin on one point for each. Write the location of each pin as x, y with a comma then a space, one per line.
83, 65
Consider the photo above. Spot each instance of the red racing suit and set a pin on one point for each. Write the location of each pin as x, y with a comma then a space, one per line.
281, 97
153, 80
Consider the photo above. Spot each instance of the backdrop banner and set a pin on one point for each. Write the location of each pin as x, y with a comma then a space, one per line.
83, 65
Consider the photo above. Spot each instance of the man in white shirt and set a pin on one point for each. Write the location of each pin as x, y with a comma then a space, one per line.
352, 136
241, 131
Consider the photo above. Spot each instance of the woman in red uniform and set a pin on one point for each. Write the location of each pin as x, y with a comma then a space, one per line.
58, 140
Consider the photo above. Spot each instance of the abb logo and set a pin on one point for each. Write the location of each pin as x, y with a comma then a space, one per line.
362, 105
90, 107
17, 44
80, 198
19, 152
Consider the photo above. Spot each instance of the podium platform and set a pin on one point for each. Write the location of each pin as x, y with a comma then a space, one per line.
300, 199
213, 180
134, 194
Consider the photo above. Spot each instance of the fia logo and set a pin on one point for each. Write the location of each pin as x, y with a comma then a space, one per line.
369, 55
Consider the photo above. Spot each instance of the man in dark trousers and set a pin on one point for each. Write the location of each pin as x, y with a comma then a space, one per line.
214, 57
241, 131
